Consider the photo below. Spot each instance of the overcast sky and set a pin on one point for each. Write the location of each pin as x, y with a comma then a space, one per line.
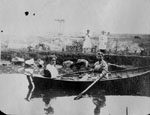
115, 16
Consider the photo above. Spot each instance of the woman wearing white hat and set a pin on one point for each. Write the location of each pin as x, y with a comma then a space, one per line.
29, 66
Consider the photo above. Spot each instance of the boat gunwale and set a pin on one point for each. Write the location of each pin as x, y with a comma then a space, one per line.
137, 69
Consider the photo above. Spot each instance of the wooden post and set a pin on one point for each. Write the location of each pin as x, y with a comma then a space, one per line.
0, 50
126, 110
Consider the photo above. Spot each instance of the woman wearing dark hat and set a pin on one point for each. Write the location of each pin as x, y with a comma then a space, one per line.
80, 65
84, 64
101, 65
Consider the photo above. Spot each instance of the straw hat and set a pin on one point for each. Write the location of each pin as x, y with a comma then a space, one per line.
30, 62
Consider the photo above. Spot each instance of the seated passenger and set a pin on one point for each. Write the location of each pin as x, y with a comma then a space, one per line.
29, 63
29, 66
67, 63
40, 63
51, 70
80, 65
66, 66
83, 64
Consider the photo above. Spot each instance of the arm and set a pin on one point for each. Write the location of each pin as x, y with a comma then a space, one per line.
103, 69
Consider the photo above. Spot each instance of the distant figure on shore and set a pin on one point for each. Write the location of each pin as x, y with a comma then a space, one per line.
87, 43
102, 43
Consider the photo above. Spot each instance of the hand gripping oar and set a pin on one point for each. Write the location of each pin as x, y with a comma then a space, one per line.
80, 95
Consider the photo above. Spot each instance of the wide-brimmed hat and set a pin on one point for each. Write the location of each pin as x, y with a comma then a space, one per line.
67, 63
78, 65
83, 61
30, 62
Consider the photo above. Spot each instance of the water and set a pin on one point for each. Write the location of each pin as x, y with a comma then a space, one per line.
14, 89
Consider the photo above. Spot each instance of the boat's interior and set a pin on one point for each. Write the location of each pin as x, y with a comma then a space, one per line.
112, 75
84, 74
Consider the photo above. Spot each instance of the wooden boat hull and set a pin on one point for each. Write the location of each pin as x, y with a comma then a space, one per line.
138, 83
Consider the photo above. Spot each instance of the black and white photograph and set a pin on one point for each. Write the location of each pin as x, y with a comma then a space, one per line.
75, 57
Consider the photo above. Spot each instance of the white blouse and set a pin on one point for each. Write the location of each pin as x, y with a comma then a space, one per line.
53, 70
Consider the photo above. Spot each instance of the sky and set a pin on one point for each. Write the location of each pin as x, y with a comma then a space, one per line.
114, 16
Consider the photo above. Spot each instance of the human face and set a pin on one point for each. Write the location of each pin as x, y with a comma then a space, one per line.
82, 68
53, 61
88, 31
74, 68
99, 56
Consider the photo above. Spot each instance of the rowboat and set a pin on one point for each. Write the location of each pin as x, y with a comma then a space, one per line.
122, 82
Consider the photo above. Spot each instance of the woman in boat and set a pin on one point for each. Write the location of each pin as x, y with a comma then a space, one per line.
80, 65
101, 65
51, 70
40, 63
66, 67
29, 66
83, 64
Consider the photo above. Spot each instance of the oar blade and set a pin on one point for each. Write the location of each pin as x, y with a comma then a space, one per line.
78, 97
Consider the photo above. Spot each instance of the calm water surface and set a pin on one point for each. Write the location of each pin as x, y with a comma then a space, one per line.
14, 90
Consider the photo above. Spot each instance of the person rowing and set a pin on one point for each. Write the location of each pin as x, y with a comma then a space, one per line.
101, 65
101, 68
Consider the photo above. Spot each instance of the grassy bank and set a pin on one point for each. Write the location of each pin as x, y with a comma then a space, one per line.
63, 56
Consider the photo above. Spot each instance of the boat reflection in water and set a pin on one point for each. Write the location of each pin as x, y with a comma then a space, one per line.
135, 88
48, 108
14, 88
97, 98
99, 103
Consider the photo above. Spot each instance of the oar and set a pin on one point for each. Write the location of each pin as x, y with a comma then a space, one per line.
63, 75
80, 95
79, 72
